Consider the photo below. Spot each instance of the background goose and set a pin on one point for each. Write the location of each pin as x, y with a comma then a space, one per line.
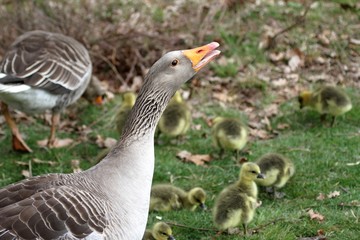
277, 169
41, 71
166, 197
160, 231
327, 100
236, 204
229, 134
176, 118
94, 92
110, 200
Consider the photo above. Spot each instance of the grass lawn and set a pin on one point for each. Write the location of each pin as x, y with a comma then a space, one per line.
320, 154
324, 157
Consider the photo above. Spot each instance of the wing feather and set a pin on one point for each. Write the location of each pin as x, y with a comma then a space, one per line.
46, 208
54, 62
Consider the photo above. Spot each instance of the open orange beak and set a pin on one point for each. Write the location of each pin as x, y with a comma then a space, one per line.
201, 56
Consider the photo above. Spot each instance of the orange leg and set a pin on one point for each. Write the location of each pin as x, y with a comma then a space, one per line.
55, 119
18, 144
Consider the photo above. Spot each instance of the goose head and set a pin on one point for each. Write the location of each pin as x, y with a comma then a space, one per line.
250, 171
183, 64
304, 98
197, 197
162, 231
129, 99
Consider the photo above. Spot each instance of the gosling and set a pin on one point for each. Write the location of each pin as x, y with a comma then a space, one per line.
327, 100
124, 110
160, 231
176, 119
229, 134
166, 197
236, 203
278, 170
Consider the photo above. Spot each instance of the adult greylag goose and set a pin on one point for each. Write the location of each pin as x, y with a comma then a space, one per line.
41, 71
111, 199
94, 92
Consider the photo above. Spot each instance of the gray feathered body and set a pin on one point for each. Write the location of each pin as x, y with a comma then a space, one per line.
110, 200
44, 70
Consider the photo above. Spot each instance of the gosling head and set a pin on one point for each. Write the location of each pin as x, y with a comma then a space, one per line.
177, 98
162, 231
304, 98
129, 98
250, 171
197, 197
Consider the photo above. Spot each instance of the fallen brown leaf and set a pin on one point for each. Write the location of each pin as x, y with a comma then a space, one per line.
321, 197
59, 143
276, 57
282, 126
198, 159
22, 163
26, 173
105, 143
259, 133
333, 194
75, 165
223, 96
315, 216
354, 203
51, 163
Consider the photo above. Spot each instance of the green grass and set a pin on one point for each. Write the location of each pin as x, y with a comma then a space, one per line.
320, 154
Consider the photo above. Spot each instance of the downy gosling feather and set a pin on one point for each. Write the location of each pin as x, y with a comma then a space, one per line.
160, 231
277, 168
166, 197
236, 203
327, 100
176, 118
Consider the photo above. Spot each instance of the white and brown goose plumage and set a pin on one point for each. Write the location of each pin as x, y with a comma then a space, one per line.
110, 200
41, 71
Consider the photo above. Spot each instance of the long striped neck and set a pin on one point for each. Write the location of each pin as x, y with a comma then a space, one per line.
146, 113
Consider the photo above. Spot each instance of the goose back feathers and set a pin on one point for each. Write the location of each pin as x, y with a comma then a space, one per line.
52, 62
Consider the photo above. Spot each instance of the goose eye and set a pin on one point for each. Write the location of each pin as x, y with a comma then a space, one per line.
174, 62
254, 172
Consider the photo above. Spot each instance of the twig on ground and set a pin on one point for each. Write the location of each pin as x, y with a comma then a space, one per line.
112, 66
344, 189
188, 227
300, 20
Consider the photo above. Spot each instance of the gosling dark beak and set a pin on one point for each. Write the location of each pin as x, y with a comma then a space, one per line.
260, 175
300, 102
203, 206
171, 238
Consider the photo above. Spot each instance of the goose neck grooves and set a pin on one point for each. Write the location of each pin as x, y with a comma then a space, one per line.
145, 114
